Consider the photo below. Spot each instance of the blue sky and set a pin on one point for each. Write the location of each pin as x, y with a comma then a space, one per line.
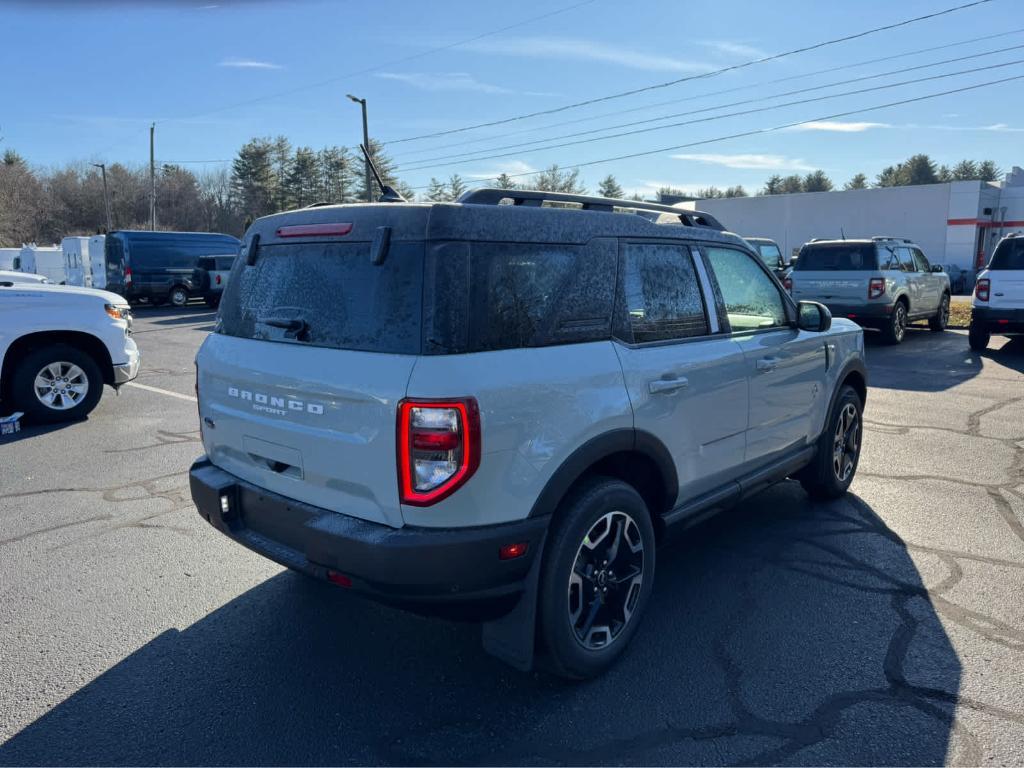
82, 81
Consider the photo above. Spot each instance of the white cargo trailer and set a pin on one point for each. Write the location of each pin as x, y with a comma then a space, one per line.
98, 260
44, 260
76, 261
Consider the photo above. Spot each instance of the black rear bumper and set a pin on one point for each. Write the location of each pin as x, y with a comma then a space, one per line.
448, 571
863, 314
998, 320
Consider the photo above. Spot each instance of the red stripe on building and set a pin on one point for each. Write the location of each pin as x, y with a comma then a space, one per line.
982, 223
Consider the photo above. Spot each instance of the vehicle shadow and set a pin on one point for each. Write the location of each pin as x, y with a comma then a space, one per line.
934, 362
785, 631
29, 430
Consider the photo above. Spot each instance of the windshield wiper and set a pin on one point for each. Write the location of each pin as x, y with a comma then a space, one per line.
293, 326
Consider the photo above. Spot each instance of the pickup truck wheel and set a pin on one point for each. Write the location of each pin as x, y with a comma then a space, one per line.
835, 463
596, 579
56, 383
178, 296
941, 320
894, 330
978, 336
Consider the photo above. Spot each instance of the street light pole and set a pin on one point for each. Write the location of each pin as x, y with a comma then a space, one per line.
106, 195
366, 143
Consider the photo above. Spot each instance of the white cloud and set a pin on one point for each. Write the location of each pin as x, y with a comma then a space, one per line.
511, 168
731, 48
749, 162
249, 64
836, 126
1002, 128
443, 81
573, 49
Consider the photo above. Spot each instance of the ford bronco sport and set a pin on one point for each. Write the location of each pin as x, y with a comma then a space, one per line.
998, 303
883, 283
497, 411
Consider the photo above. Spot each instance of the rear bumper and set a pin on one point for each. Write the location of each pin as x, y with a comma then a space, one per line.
449, 571
863, 314
998, 320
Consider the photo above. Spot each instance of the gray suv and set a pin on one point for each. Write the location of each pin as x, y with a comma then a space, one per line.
496, 411
882, 282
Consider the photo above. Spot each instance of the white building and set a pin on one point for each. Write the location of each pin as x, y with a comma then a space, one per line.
956, 224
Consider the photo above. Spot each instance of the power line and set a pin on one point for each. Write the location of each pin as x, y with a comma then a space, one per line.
739, 113
731, 68
762, 84
468, 156
761, 131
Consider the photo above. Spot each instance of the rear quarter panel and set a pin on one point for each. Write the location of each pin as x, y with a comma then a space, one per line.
536, 407
848, 340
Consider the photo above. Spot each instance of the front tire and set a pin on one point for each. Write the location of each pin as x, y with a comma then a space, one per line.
896, 329
178, 296
978, 336
56, 383
941, 320
830, 473
596, 579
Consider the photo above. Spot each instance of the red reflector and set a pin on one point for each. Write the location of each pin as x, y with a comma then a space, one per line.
512, 551
311, 230
218, 279
1004, 322
435, 441
339, 578
851, 316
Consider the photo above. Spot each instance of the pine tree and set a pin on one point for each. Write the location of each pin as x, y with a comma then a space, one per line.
552, 179
989, 171
737, 191
817, 181
609, 187
337, 166
253, 181
437, 191
791, 184
504, 181
859, 181
12, 158
965, 170
456, 187
385, 167
889, 177
281, 156
303, 180
773, 186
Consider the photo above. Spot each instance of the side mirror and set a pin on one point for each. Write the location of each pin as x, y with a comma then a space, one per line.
812, 316
937, 268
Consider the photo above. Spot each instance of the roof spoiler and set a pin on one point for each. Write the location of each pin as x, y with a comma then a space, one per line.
536, 198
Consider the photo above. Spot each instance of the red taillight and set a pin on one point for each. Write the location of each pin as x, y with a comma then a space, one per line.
217, 280
339, 578
128, 276
512, 551
312, 230
438, 448
876, 287
787, 283
982, 289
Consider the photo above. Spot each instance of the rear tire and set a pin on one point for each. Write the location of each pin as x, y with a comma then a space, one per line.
588, 613
896, 328
830, 473
178, 296
939, 322
978, 336
56, 383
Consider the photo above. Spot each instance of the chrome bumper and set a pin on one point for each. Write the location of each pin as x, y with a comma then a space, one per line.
127, 371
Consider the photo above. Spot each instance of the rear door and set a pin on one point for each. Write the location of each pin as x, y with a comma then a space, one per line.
785, 366
686, 379
932, 283
916, 289
299, 386
1006, 273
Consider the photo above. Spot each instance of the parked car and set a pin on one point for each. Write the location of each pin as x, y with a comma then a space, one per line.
498, 410
161, 267
7, 276
882, 282
998, 303
58, 346
770, 254
216, 270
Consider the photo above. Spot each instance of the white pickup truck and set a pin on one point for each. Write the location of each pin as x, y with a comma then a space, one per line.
58, 346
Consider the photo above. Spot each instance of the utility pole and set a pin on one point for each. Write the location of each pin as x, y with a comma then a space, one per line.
152, 180
106, 194
366, 143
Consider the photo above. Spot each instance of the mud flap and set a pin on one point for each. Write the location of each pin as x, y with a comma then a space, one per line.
512, 638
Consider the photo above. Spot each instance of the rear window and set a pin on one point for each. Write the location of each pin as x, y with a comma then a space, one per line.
328, 295
1009, 255
837, 257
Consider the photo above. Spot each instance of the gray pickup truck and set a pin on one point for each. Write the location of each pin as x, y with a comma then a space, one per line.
881, 282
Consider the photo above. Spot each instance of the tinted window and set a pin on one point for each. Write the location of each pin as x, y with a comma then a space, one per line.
837, 257
751, 298
906, 259
662, 293
332, 294
1009, 254
531, 295
224, 263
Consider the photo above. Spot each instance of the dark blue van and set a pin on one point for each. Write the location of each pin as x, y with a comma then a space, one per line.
162, 267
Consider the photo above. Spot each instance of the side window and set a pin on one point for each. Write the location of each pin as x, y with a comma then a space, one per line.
662, 293
752, 302
906, 259
224, 263
921, 261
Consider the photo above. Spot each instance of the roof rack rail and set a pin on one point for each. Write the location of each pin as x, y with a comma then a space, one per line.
534, 198
896, 239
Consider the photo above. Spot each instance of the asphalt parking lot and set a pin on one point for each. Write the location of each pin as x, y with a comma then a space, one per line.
885, 628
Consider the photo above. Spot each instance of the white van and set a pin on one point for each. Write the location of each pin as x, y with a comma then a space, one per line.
76, 261
98, 260
44, 260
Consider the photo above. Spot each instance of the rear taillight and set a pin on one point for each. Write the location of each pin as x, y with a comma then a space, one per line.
438, 448
128, 276
217, 280
876, 287
787, 283
315, 230
982, 289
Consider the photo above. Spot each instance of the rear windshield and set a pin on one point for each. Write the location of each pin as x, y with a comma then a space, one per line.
1009, 255
837, 257
328, 295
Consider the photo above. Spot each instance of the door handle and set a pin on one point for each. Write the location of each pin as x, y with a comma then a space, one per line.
667, 385
767, 364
